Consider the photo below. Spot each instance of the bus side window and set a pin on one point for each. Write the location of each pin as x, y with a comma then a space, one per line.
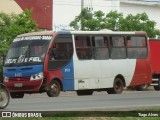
83, 47
61, 52
118, 49
100, 47
136, 47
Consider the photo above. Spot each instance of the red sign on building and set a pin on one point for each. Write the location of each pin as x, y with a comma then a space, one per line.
42, 11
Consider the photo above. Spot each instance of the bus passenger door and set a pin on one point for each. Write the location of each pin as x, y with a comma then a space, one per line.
60, 62
86, 68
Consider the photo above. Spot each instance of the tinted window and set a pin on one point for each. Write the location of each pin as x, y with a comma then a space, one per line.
83, 47
61, 52
136, 47
100, 47
118, 50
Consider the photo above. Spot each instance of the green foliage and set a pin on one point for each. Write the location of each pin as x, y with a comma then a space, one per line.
114, 21
139, 22
11, 25
89, 21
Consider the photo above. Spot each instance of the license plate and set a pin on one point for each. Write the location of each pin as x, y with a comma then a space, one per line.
18, 85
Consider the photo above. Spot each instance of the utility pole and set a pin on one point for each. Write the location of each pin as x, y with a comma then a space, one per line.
82, 7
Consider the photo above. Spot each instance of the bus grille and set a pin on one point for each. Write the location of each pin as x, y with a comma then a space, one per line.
19, 79
22, 88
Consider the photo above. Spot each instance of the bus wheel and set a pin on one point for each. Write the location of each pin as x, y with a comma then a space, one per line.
16, 95
84, 92
117, 87
157, 87
4, 97
142, 87
54, 89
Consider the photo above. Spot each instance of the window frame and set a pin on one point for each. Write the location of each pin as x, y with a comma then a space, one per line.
105, 37
136, 47
83, 47
58, 64
112, 47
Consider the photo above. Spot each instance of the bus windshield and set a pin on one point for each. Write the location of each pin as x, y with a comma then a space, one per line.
27, 50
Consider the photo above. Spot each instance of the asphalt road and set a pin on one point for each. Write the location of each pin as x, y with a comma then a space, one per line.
69, 101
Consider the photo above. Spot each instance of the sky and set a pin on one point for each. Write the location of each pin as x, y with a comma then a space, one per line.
64, 11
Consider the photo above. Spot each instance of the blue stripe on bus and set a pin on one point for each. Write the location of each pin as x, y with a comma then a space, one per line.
22, 71
68, 75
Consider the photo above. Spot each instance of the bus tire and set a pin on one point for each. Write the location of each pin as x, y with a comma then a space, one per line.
54, 89
157, 87
142, 87
17, 95
117, 87
84, 92
4, 97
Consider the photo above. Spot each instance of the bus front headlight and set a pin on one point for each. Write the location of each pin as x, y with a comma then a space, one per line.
5, 79
37, 76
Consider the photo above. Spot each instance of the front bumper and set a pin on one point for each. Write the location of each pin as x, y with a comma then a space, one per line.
23, 86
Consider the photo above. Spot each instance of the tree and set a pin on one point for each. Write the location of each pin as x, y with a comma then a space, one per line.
112, 20
115, 21
13, 25
139, 22
88, 21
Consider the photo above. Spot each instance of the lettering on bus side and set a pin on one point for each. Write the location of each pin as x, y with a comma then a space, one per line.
67, 69
45, 37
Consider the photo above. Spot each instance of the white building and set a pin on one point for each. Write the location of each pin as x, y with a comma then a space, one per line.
151, 7
65, 11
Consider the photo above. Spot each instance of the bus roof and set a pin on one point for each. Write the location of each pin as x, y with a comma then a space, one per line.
37, 33
81, 32
107, 32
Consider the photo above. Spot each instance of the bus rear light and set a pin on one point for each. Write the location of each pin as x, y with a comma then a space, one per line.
37, 76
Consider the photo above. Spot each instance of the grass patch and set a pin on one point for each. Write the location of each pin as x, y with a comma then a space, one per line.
143, 114
84, 118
